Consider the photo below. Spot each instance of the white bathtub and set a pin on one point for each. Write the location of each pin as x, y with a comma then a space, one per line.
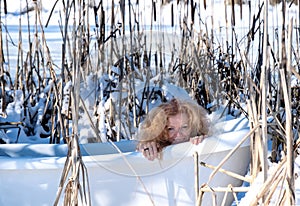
30, 174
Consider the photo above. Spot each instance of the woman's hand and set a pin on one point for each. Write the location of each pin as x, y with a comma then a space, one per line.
198, 139
149, 150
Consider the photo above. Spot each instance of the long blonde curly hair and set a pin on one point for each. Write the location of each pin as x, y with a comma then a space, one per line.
154, 127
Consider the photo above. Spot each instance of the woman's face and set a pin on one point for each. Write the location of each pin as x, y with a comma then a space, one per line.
178, 128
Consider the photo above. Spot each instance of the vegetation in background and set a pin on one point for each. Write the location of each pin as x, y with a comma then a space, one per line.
256, 74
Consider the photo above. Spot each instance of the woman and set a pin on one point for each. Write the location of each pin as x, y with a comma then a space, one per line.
171, 123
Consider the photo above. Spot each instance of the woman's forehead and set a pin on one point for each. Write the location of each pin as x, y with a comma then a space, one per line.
178, 118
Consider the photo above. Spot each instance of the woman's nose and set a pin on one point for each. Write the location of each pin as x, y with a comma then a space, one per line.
174, 134
178, 133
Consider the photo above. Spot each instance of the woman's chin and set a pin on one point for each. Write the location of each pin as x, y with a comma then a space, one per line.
180, 140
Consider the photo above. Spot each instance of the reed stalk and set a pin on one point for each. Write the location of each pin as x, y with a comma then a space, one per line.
232, 174
264, 87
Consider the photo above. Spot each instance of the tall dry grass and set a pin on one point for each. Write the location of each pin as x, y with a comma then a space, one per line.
121, 52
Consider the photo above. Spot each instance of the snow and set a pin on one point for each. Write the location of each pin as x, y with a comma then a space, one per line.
53, 36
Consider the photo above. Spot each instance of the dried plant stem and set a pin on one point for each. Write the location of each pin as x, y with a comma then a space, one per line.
289, 124
3, 102
274, 187
264, 87
225, 189
203, 188
232, 174
254, 122
63, 178
264, 189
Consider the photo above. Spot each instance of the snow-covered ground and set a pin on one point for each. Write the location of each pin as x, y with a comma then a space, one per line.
54, 40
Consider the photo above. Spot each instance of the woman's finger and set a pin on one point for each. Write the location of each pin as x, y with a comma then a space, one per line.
194, 140
154, 149
197, 140
148, 151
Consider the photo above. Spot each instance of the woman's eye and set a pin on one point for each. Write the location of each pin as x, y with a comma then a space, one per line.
185, 127
170, 129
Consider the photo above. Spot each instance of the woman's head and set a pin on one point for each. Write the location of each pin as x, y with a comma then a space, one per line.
173, 122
